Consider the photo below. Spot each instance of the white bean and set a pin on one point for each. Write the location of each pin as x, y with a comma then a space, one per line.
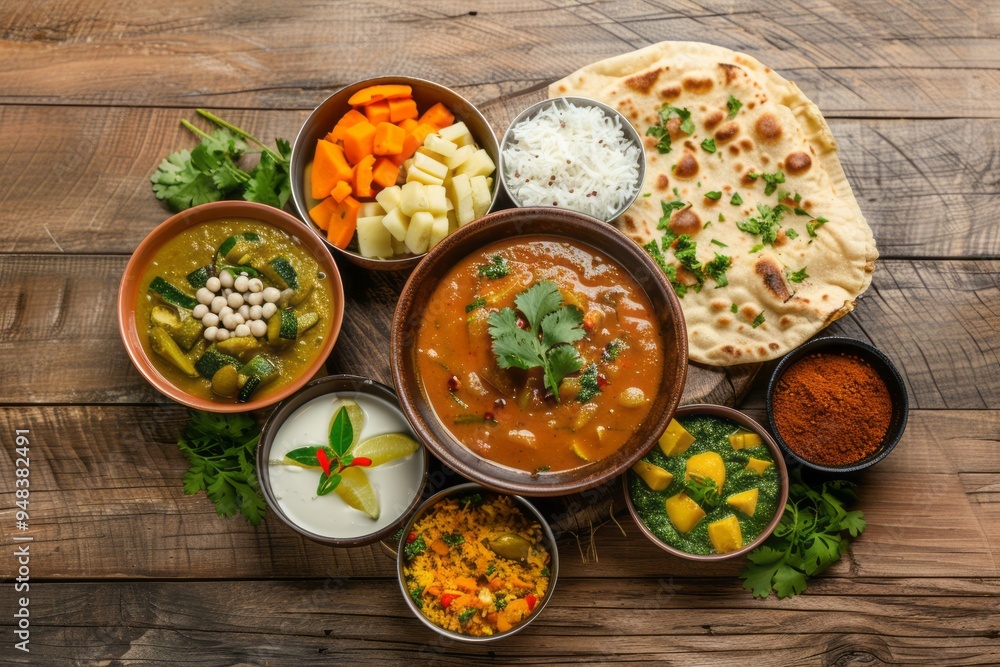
226, 279
256, 285
218, 303
200, 310
242, 330
225, 312
258, 328
241, 284
229, 321
204, 295
244, 311
235, 300
255, 298
213, 284
239, 319
268, 310
256, 312
222, 335
271, 294
210, 320
226, 292
211, 333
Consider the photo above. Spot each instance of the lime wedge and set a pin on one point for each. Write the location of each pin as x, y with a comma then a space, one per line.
355, 490
384, 448
354, 412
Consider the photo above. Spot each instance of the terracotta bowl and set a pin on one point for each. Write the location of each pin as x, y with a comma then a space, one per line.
502, 225
326, 115
128, 294
333, 384
751, 425
530, 512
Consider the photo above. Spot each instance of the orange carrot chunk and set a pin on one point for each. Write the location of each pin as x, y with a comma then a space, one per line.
377, 112
402, 109
341, 190
385, 172
413, 141
408, 125
439, 116
372, 94
322, 212
349, 119
329, 167
359, 141
388, 139
343, 222
363, 177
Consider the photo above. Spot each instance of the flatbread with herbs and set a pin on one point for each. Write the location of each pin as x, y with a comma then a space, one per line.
745, 204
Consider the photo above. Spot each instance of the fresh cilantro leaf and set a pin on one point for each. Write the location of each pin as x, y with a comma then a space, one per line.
500, 601
734, 308
813, 225
415, 548
753, 175
452, 539
538, 301
686, 253
479, 302
466, 615
269, 184
734, 106
798, 276
791, 233
497, 268
782, 195
612, 350
562, 361
671, 272
716, 269
490, 569
417, 595
660, 131
709, 145
714, 195
756, 248
772, 181
759, 320
668, 208
719, 243
736, 199
766, 224
722, 218
178, 182
704, 491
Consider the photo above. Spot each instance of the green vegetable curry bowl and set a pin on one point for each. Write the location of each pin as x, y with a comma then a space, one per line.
713, 489
230, 306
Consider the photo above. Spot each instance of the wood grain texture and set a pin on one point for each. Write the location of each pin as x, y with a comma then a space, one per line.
107, 502
77, 179
900, 60
936, 320
365, 621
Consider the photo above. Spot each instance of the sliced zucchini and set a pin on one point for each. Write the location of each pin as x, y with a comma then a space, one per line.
248, 388
199, 277
282, 328
237, 248
296, 296
167, 293
165, 346
238, 346
186, 332
280, 272
305, 322
210, 362
261, 367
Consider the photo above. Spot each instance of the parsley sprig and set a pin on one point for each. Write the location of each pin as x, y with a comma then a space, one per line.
549, 329
220, 451
809, 539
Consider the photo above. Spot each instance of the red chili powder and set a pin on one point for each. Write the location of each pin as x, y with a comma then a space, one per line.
832, 409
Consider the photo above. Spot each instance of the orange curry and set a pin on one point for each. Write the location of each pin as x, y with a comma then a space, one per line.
511, 415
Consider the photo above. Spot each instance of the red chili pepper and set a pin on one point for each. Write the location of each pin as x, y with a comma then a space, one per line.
412, 537
532, 601
361, 461
324, 461
488, 416
522, 323
588, 322
448, 598
602, 381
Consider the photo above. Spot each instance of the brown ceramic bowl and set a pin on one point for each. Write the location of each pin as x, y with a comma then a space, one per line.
329, 386
751, 425
128, 294
555, 222
326, 115
530, 512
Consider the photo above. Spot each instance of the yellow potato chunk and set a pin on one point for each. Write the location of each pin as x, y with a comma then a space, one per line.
758, 465
655, 477
707, 465
684, 512
725, 535
745, 440
676, 439
745, 502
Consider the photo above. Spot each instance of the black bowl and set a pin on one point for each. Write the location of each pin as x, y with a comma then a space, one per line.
886, 370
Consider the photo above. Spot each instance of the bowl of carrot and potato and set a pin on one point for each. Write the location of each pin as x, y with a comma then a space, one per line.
386, 168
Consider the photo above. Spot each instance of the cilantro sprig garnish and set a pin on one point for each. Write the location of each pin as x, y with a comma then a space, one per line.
772, 181
543, 338
210, 172
734, 106
809, 539
498, 267
589, 384
766, 224
653, 250
660, 131
704, 491
220, 451
798, 276
716, 269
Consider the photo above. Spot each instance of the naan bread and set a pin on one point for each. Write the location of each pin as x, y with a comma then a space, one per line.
776, 129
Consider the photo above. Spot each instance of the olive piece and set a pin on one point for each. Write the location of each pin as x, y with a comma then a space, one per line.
510, 546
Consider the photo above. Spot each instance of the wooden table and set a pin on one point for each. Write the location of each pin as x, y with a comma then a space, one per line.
126, 569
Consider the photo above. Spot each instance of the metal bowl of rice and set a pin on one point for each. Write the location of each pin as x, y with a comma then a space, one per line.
475, 565
573, 153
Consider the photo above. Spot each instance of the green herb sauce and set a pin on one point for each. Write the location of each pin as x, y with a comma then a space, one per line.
711, 435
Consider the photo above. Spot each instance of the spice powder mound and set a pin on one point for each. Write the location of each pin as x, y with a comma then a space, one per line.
832, 409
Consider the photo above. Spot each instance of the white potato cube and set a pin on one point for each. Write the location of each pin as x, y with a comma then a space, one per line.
452, 221
439, 230
462, 198
418, 236
437, 200
398, 247
415, 175
397, 223
457, 134
481, 197
461, 155
389, 198
374, 240
440, 145
426, 163
370, 209
480, 164
413, 198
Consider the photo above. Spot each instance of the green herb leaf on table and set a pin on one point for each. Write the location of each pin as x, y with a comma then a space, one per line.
220, 450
